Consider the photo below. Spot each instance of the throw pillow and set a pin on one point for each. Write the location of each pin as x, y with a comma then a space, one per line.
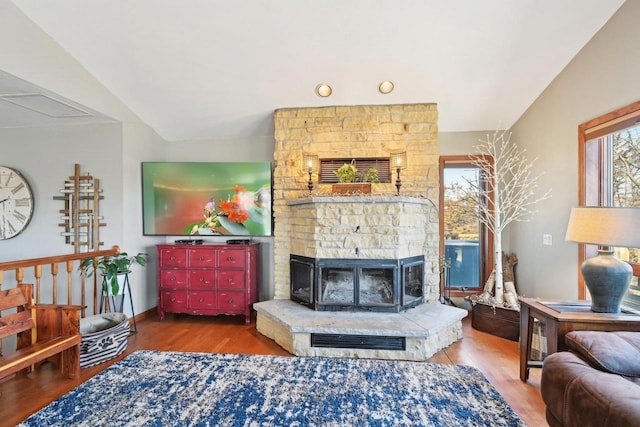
614, 352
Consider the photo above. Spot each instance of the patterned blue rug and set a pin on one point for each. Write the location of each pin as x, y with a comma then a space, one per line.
150, 388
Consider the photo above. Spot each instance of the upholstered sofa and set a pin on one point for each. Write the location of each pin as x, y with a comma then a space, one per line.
596, 382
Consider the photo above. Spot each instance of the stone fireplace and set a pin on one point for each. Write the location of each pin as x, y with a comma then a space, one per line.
359, 253
383, 217
322, 240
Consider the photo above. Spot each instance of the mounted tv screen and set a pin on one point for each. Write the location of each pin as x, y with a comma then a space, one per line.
206, 198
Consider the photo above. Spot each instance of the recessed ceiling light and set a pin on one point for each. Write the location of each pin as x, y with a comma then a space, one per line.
323, 90
385, 87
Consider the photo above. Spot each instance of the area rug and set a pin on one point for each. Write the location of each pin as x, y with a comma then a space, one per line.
151, 388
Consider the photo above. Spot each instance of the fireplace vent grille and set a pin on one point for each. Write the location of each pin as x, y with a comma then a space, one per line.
328, 166
369, 342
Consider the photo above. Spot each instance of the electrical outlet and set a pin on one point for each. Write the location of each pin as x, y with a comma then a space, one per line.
547, 239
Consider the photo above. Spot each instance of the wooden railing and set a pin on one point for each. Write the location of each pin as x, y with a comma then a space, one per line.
77, 284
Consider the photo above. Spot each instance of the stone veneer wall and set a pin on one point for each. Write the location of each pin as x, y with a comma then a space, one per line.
371, 227
354, 131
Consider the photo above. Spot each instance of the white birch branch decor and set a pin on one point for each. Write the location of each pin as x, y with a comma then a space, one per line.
505, 192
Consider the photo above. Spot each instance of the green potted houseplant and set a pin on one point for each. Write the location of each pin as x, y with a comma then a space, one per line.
351, 180
110, 267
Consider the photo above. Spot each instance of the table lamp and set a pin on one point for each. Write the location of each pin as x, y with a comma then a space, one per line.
398, 161
310, 165
606, 277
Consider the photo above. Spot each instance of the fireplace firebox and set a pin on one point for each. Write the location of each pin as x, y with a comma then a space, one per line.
384, 285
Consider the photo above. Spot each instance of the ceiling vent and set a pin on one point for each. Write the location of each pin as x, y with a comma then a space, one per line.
45, 104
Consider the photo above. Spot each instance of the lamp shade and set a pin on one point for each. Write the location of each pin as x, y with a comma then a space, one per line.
309, 162
605, 226
399, 159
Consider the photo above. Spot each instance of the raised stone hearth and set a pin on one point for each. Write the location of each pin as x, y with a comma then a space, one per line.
415, 334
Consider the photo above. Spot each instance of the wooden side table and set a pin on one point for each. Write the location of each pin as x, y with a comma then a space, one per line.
561, 317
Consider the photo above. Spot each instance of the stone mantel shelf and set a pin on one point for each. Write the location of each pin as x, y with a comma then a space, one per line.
360, 199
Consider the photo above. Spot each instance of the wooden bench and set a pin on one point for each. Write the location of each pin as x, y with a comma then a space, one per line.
44, 332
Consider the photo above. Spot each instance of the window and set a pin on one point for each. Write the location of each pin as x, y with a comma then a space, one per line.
466, 246
609, 149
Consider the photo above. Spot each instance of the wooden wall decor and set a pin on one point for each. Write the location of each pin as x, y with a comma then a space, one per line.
81, 214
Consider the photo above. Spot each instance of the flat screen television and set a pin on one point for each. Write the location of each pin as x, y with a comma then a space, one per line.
206, 198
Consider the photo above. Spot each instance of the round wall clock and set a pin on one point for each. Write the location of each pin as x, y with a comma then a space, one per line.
16, 203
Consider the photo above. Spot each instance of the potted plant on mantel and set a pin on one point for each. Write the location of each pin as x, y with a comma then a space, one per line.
112, 267
351, 180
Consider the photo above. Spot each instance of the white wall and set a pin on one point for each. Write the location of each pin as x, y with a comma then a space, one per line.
460, 143
46, 156
140, 143
601, 78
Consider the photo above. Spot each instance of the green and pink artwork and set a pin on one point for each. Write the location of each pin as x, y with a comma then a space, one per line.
206, 198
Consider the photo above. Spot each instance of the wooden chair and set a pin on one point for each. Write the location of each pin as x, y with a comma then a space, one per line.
44, 332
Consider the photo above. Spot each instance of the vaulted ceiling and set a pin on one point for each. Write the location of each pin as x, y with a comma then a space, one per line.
216, 69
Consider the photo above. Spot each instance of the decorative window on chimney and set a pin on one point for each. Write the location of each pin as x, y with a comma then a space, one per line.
329, 166
609, 149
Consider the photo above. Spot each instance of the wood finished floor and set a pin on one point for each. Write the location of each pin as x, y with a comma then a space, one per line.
497, 358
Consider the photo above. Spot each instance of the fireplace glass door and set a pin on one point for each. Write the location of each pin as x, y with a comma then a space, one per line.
302, 276
375, 286
357, 284
337, 286
412, 279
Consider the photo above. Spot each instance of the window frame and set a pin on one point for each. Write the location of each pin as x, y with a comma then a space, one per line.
486, 237
593, 168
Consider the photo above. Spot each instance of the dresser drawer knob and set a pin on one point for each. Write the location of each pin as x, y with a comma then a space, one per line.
201, 299
230, 280
230, 258
173, 278
173, 299
230, 301
201, 258
172, 258
201, 279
